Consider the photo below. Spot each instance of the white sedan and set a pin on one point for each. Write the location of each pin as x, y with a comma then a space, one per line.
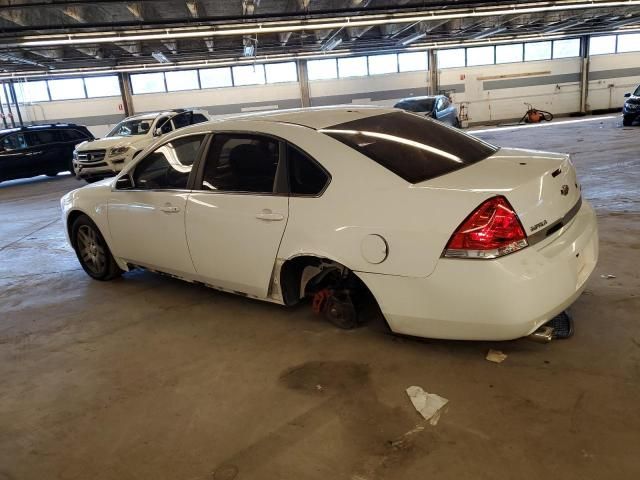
453, 237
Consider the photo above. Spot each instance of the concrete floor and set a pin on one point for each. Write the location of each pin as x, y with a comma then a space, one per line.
148, 377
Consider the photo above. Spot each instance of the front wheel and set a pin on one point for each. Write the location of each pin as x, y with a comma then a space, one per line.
627, 121
456, 123
92, 250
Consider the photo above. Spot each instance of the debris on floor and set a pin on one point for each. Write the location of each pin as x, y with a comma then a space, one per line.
607, 276
496, 356
428, 404
403, 441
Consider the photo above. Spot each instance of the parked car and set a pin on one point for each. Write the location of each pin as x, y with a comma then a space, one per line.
39, 149
455, 238
439, 107
631, 108
105, 157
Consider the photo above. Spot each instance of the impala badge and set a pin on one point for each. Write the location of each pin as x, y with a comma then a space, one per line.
564, 190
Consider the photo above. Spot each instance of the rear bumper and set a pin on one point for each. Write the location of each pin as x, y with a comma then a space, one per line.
500, 299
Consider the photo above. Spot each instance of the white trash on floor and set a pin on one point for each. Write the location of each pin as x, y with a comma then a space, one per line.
428, 404
496, 356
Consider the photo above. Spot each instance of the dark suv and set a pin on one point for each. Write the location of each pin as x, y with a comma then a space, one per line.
39, 149
631, 108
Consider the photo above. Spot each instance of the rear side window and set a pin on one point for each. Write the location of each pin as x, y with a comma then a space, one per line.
198, 118
241, 163
43, 137
425, 105
306, 177
412, 147
73, 135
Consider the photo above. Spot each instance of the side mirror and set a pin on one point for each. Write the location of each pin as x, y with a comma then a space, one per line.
627, 95
124, 183
157, 132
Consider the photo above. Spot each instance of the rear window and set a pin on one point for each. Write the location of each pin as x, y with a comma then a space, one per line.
424, 105
414, 148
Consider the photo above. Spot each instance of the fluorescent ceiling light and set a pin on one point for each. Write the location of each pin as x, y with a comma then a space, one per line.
562, 26
160, 57
412, 38
488, 33
224, 62
256, 28
331, 44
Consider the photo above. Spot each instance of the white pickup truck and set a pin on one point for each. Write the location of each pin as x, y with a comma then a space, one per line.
97, 159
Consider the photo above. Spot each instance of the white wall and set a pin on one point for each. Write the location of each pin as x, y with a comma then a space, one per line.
224, 101
378, 89
498, 92
98, 114
611, 76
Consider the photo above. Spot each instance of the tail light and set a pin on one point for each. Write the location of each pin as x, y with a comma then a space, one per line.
491, 231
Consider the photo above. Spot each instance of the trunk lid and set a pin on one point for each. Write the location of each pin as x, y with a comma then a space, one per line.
541, 186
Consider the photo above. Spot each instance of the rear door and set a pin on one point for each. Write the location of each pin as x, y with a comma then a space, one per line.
47, 150
237, 213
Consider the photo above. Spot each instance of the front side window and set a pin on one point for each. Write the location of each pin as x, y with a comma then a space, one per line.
169, 166
16, 141
164, 125
241, 163
128, 128
412, 147
306, 177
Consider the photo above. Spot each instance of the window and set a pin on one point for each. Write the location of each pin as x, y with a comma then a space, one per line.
67, 89
509, 53
182, 80
32, 91
187, 118
3, 98
131, 127
602, 45
216, 78
410, 146
102, 86
42, 137
629, 43
537, 51
480, 56
281, 72
147, 83
451, 58
72, 135
414, 61
306, 177
379, 64
164, 124
442, 104
322, 69
241, 163
16, 141
352, 67
169, 166
248, 75
566, 48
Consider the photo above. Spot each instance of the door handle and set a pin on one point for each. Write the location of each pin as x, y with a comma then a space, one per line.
169, 209
268, 216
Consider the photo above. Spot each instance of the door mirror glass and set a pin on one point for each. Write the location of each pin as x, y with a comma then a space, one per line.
627, 95
124, 183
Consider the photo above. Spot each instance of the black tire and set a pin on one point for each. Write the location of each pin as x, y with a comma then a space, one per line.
627, 122
92, 251
457, 123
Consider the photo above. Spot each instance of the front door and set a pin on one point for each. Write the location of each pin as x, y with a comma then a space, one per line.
147, 222
237, 214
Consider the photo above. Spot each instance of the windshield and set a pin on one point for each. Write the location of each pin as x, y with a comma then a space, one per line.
127, 128
637, 92
411, 146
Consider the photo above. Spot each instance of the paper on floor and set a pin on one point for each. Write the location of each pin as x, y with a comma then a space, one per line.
496, 356
428, 404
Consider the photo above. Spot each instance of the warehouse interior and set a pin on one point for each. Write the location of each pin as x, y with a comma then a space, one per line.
151, 377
